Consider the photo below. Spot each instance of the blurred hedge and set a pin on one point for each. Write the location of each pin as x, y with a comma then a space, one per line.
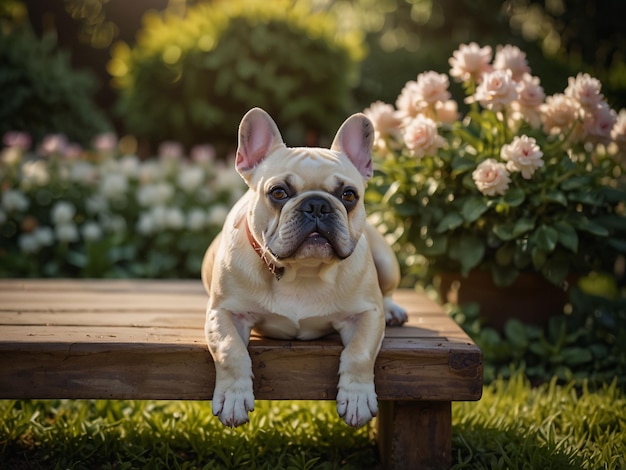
192, 78
41, 93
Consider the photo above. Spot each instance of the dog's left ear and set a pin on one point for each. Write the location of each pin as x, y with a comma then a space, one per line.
258, 136
354, 138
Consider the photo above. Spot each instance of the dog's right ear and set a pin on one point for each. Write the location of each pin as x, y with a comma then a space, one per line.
258, 136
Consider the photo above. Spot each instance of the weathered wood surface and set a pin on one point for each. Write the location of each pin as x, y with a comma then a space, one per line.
145, 340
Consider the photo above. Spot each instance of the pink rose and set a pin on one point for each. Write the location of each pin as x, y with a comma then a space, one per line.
523, 155
585, 89
421, 137
408, 103
618, 133
497, 90
491, 177
560, 113
385, 120
513, 59
105, 142
530, 96
470, 62
432, 87
598, 122
17, 139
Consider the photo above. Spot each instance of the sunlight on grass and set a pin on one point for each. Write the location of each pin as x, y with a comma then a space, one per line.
552, 426
513, 426
157, 434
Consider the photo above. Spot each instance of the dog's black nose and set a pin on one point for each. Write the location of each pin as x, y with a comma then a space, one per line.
316, 207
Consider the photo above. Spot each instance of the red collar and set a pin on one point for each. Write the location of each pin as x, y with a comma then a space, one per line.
275, 270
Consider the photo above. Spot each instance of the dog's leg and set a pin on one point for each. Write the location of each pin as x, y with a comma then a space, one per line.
227, 335
356, 397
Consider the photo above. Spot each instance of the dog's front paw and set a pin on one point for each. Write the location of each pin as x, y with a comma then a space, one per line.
233, 401
394, 314
357, 404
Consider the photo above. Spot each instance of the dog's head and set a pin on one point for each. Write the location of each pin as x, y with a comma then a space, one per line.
308, 202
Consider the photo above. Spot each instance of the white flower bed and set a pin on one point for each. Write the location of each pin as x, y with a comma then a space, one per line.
65, 211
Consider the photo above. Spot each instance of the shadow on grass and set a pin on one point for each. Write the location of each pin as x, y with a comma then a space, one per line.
86, 434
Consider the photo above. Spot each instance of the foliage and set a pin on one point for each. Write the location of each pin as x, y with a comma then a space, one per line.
41, 93
521, 182
191, 78
512, 426
177, 434
551, 427
586, 345
65, 212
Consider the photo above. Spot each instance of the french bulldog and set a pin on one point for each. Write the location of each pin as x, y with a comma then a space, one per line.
296, 259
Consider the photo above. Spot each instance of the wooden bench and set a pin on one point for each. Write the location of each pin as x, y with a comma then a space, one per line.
144, 340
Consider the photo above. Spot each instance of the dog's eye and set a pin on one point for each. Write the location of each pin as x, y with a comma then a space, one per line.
278, 194
348, 195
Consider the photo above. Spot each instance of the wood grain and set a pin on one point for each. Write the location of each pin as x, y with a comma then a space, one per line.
144, 340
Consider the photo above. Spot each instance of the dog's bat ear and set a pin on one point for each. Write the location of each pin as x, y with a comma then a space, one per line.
258, 135
354, 138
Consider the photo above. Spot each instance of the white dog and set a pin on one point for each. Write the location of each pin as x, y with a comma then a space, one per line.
297, 259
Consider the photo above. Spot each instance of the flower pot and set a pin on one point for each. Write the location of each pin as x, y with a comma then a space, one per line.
531, 298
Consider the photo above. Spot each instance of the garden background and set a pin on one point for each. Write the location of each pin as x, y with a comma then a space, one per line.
119, 122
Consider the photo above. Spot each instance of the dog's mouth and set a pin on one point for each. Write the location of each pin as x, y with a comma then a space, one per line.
314, 245
316, 237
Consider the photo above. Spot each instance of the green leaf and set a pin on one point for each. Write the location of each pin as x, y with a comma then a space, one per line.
576, 356
503, 275
595, 229
514, 197
473, 208
468, 250
568, 237
556, 269
515, 332
523, 225
613, 195
504, 230
539, 258
510, 230
433, 247
462, 164
557, 330
450, 221
546, 238
504, 254
575, 182
556, 196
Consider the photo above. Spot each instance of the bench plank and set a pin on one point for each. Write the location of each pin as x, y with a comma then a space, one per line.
144, 340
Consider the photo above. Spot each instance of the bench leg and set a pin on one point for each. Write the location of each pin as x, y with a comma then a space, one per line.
415, 434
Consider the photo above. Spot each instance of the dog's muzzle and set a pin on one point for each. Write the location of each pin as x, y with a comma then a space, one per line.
314, 229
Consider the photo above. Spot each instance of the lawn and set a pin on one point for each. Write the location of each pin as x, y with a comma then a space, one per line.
513, 426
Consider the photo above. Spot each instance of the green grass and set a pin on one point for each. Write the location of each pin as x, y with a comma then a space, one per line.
513, 426
549, 427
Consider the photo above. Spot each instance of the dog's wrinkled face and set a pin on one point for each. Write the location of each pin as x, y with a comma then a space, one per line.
308, 202
311, 206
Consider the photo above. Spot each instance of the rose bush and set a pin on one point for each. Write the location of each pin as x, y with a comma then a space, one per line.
521, 182
103, 212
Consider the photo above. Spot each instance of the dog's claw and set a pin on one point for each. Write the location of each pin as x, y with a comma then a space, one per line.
394, 314
232, 404
357, 404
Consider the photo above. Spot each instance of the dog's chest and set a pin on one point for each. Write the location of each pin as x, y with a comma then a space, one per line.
299, 314
284, 327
